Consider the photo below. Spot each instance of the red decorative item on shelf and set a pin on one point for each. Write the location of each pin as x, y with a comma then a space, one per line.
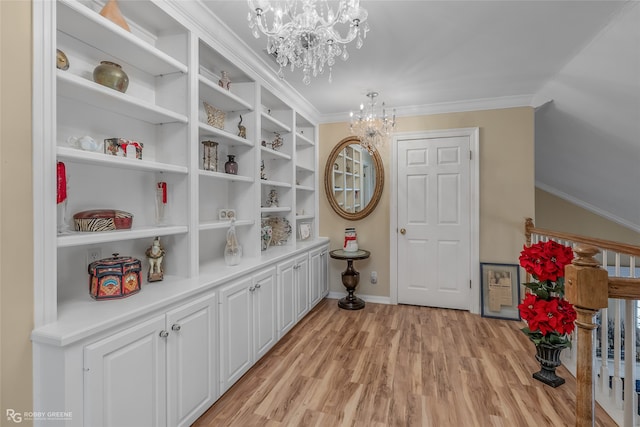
162, 186
61, 182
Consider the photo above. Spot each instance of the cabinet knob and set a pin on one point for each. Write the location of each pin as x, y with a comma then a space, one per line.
175, 327
164, 334
403, 231
251, 289
258, 286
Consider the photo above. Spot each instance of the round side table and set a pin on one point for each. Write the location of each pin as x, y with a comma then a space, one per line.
350, 277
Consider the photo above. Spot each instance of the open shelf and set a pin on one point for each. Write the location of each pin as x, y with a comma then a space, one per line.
272, 124
77, 238
84, 24
107, 160
88, 92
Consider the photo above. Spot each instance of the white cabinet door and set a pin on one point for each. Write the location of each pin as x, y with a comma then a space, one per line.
318, 265
191, 360
315, 276
264, 312
125, 378
286, 296
235, 331
324, 267
302, 285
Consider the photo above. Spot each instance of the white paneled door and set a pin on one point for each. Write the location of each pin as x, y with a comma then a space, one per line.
433, 222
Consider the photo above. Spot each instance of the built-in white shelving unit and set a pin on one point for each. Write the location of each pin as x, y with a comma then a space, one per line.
174, 63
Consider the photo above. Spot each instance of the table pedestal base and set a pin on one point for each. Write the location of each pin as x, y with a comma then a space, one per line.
350, 279
353, 303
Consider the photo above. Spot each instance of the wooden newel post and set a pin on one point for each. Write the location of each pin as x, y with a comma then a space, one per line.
586, 288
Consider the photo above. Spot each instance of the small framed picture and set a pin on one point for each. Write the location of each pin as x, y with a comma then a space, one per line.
304, 230
500, 292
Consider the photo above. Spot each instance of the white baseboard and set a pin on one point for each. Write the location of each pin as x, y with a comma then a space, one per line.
367, 298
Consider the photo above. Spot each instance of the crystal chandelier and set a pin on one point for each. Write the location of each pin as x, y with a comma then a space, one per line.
302, 32
373, 130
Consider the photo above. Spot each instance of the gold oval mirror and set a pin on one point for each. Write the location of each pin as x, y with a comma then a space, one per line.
353, 179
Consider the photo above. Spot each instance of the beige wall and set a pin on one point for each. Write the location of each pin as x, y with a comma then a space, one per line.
16, 236
554, 213
506, 191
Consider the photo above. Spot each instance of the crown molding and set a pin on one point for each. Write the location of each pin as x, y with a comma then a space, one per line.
591, 208
447, 107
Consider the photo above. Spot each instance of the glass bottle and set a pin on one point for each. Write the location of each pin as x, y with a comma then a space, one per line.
232, 249
231, 166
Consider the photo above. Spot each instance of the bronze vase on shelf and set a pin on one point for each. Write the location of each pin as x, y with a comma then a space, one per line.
111, 75
111, 11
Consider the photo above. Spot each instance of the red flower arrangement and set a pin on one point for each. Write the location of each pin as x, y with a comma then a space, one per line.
550, 317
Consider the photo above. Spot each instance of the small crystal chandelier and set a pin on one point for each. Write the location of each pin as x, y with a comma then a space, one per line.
373, 130
302, 32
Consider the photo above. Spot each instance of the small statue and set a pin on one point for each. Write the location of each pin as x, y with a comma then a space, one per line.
272, 200
277, 142
155, 255
225, 81
262, 174
242, 131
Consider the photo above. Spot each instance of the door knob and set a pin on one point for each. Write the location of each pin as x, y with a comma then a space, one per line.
403, 231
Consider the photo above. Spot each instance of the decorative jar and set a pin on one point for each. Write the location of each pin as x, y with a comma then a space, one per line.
111, 75
231, 166
350, 240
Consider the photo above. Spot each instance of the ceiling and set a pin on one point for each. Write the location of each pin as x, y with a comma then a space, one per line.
425, 53
577, 62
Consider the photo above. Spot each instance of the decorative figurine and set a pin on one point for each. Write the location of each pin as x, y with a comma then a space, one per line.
242, 131
272, 200
155, 255
277, 142
225, 81
262, 174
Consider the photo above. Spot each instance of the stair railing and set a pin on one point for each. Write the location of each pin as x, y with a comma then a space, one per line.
594, 290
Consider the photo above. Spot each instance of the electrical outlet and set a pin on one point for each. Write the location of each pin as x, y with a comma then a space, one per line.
374, 277
93, 254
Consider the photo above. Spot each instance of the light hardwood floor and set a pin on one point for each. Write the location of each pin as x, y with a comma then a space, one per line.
400, 365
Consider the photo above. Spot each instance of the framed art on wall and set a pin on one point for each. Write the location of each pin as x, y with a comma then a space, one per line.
500, 293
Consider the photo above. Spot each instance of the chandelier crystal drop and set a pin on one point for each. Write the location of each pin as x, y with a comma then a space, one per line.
305, 33
372, 129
